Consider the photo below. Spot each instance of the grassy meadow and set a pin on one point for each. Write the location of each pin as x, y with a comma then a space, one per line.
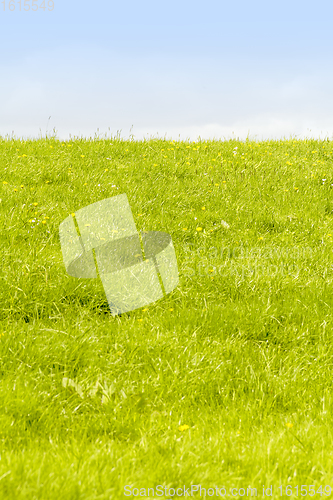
227, 381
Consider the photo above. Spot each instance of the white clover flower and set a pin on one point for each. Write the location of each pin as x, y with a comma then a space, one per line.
225, 224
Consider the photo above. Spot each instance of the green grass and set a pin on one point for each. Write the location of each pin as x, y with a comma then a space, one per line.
241, 351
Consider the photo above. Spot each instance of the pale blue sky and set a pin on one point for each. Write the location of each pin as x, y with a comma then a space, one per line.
177, 69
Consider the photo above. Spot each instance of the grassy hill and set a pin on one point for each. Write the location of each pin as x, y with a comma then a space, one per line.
227, 381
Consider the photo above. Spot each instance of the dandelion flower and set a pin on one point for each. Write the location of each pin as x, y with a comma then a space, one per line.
199, 228
184, 228
203, 208
289, 425
35, 204
183, 427
82, 156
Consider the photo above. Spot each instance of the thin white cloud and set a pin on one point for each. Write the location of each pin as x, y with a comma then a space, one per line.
177, 98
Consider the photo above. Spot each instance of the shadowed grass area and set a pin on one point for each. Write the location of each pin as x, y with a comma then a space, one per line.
225, 382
